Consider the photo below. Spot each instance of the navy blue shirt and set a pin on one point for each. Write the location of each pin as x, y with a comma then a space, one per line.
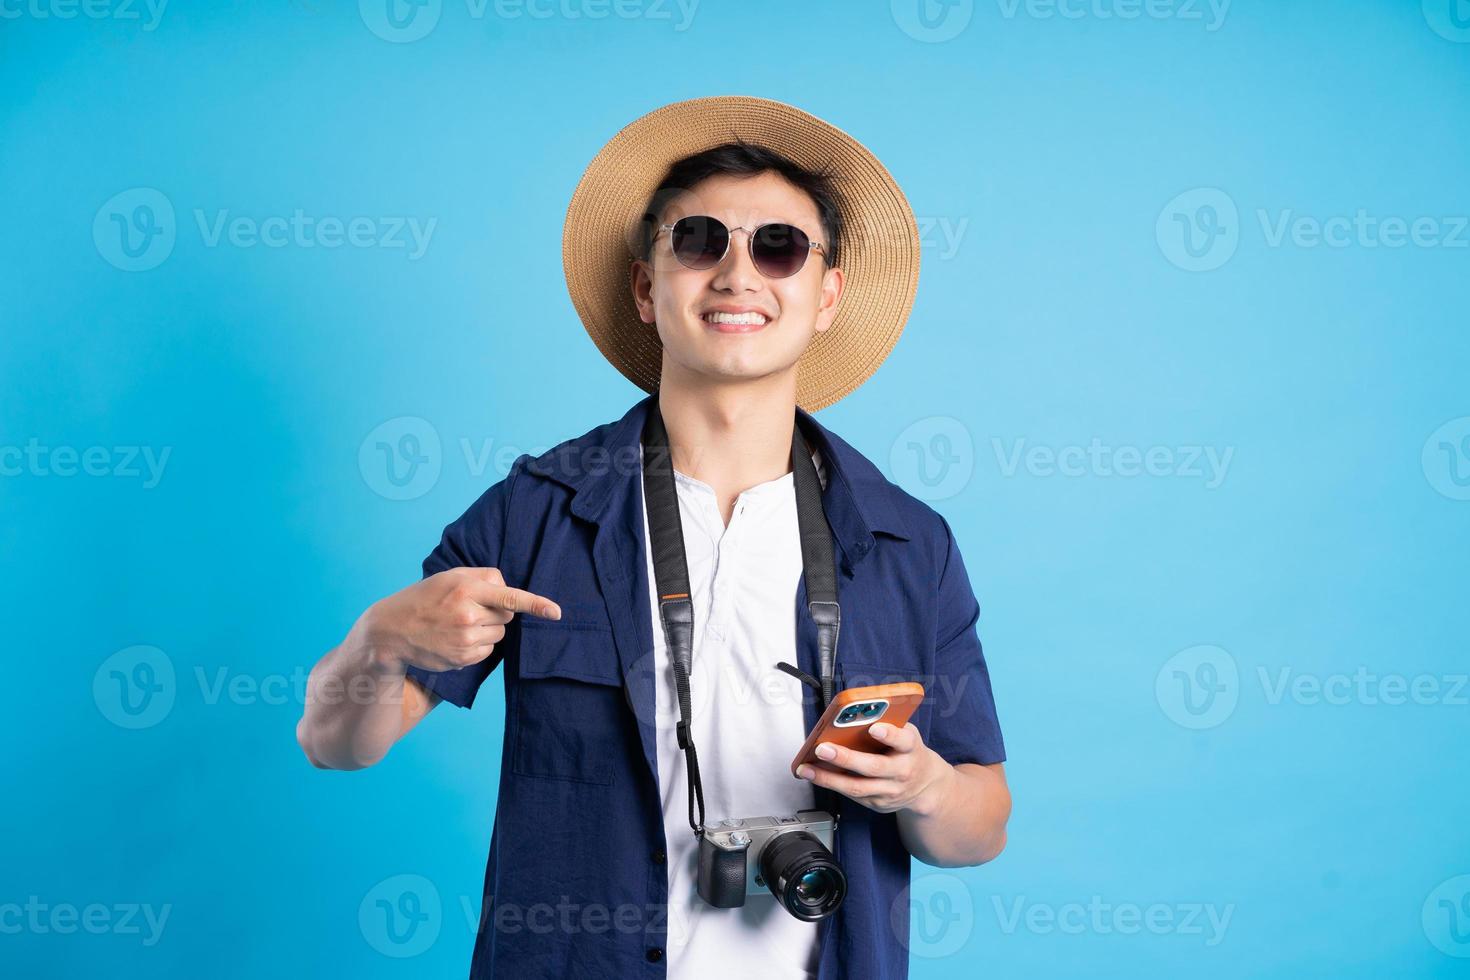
576, 884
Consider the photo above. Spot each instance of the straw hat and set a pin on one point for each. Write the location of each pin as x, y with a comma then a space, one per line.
878, 251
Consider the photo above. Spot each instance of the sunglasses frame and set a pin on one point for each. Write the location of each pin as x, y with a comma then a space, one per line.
750, 233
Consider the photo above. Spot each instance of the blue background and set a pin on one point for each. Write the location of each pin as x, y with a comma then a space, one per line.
1052, 146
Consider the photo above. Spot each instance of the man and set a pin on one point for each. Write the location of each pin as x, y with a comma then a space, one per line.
735, 312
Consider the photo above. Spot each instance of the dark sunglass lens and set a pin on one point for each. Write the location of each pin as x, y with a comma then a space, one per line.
780, 250
699, 241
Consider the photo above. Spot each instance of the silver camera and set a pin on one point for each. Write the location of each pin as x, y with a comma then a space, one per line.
789, 856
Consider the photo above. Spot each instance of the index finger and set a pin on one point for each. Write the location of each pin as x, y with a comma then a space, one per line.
905, 739
874, 764
520, 601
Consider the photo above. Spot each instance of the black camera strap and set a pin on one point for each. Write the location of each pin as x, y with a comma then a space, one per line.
671, 570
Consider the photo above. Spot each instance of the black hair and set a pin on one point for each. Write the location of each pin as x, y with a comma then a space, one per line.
742, 159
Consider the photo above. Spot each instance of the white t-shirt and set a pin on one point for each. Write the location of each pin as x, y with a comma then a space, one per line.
747, 721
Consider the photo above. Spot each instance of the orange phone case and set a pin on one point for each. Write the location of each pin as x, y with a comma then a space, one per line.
902, 699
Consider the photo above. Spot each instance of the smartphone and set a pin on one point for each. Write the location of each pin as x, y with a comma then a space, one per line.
846, 720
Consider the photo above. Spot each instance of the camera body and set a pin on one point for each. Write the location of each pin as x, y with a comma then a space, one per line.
789, 856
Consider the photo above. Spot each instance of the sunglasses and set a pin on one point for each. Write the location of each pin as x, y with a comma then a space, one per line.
777, 250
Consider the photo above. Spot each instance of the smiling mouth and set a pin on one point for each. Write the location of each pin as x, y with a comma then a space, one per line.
735, 322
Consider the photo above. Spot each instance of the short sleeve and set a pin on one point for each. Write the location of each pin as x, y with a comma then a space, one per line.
964, 726
473, 541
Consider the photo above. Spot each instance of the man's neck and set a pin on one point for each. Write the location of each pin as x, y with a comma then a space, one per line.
732, 437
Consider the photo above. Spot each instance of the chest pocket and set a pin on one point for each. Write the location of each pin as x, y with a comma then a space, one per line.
880, 650
571, 714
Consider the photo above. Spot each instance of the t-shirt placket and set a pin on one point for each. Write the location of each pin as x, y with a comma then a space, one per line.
724, 565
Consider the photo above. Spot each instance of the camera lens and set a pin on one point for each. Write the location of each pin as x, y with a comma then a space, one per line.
803, 875
813, 887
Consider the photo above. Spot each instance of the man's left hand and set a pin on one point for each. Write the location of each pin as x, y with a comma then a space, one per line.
907, 775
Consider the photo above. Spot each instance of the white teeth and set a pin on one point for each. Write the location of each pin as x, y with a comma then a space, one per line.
743, 319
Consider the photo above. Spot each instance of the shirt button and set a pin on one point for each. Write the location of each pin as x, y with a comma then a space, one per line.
654, 954
659, 857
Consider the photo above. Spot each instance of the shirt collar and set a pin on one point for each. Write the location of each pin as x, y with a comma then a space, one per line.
603, 465
781, 485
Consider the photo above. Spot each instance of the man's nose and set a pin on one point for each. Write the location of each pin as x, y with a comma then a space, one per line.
736, 272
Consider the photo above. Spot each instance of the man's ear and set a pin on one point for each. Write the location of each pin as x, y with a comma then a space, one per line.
832, 283
640, 280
